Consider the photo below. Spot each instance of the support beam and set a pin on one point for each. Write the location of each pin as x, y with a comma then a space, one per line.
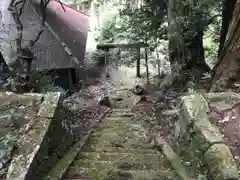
113, 45
146, 62
138, 63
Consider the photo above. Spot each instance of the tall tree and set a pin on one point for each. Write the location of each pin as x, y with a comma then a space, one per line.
185, 33
227, 14
227, 70
186, 24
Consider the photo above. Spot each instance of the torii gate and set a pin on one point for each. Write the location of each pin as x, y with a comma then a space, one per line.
137, 45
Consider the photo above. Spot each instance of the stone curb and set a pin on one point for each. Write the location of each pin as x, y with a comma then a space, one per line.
195, 127
22, 162
58, 172
173, 158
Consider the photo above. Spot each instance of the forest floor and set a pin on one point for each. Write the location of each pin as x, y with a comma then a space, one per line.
160, 118
229, 125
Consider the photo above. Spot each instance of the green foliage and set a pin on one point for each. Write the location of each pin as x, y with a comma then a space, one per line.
7, 144
144, 23
46, 84
109, 30
148, 22
212, 35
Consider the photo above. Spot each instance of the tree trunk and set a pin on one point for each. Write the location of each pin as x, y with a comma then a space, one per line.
158, 64
138, 62
186, 52
227, 71
227, 14
185, 48
146, 62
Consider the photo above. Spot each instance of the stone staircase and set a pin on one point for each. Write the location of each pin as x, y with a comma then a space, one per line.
118, 149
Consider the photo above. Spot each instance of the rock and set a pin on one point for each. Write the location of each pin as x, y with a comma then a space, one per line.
206, 134
194, 107
221, 162
108, 75
142, 99
49, 105
117, 98
106, 101
173, 158
170, 112
203, 138
138, 90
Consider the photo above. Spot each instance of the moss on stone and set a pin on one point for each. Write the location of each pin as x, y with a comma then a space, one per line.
194, 107
221, 162
33, 140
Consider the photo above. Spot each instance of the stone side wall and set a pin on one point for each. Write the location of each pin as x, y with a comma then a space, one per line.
195, 132
43, 145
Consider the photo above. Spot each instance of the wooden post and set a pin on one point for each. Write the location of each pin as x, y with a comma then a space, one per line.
106, 62
118, 58
158, 63
146, 62
109, 65
70, 80
138, 62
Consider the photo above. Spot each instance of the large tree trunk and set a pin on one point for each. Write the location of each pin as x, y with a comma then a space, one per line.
227, 13
185, 48
227, 70
186, 52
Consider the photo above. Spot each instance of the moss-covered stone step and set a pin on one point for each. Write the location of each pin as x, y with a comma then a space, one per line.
122, 114
120, 156
110, 136
145, 175
114, 127
125, 149
92, 148
121, 110
125, 164
110, 173
118, 141
120, 130
120, 123
98, 173
118, 118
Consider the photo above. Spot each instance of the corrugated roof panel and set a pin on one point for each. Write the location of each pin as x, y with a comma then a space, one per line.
49, 52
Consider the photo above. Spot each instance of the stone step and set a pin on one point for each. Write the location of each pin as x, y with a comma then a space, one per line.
125, 164
146, 175
113, 135
80, 173
117, 147
118, 119
116, 140
124, 129
122, 114
144, 159
120, 109
120, 156
108, 133
119, 124
91, 148
109, 173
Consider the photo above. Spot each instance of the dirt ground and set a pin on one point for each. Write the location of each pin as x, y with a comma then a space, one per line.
159, 122
228, 123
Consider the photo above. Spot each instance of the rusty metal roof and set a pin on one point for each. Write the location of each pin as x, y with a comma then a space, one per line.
63, 42
69, 29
